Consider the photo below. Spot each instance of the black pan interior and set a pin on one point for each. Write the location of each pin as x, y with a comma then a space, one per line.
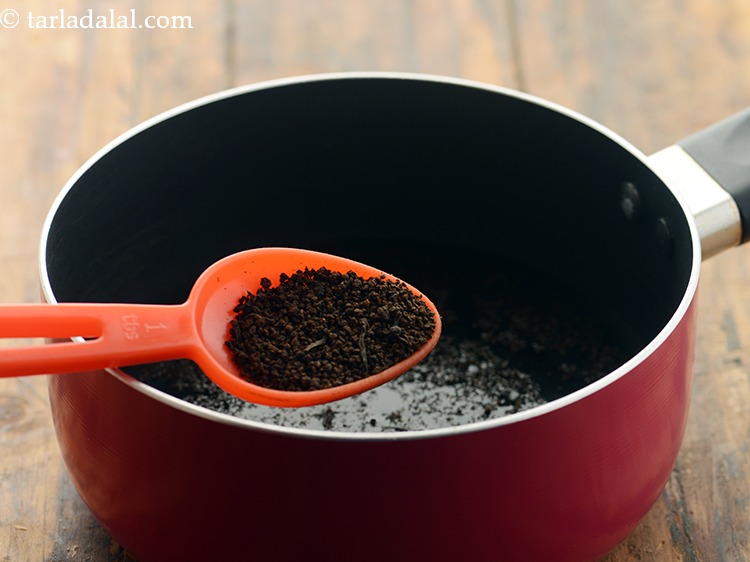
358, 164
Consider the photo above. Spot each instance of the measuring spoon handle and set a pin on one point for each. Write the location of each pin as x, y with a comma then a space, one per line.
114, 335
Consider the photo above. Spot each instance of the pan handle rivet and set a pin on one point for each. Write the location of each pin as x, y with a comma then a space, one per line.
630, 200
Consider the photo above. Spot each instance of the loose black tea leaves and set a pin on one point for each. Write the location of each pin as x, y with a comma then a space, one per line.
517, 339
319, 328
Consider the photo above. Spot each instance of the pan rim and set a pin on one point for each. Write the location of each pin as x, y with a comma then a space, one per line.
511, 419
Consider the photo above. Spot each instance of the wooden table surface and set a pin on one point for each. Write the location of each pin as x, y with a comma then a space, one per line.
652, 70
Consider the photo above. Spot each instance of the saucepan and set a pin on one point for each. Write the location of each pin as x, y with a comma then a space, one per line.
430, 177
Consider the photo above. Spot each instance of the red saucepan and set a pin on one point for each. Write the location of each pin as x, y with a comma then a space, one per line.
440, 170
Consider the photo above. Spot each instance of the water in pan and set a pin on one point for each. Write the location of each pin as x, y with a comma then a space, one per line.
512, 339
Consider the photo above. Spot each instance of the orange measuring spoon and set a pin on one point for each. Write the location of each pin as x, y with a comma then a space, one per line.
130, 334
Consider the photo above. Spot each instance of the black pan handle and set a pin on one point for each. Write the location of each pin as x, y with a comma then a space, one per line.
723, 150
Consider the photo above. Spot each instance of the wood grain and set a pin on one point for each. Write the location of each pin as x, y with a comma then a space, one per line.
654, 71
